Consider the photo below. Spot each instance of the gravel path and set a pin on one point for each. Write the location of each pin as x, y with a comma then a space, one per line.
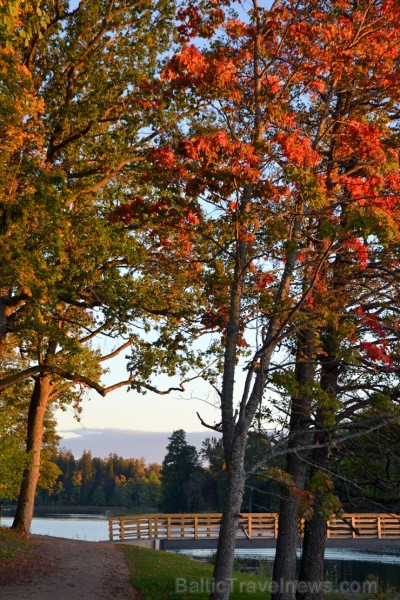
61, 569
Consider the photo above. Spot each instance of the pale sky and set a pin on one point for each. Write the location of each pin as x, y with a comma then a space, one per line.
132, 414
145, 412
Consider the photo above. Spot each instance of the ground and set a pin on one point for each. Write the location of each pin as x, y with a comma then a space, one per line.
61, 569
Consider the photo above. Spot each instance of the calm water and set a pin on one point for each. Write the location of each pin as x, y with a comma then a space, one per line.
340, 564
82, 527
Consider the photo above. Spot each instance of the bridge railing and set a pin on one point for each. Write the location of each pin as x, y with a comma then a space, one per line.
251, 526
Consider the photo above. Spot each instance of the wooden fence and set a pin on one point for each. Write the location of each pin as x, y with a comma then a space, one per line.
256, 526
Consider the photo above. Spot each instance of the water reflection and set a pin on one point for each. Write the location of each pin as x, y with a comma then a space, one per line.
385, 573
341, 564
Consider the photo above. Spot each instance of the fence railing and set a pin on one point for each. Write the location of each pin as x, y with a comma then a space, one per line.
254, 526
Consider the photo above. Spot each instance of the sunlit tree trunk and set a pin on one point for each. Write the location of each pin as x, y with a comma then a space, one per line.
41, 396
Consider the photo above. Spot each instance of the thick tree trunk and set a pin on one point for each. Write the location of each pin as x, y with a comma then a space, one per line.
222, 576
284, 573
37, 409
311, 577
312, 561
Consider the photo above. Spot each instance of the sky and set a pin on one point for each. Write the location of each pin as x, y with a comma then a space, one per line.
150, 445
125, 422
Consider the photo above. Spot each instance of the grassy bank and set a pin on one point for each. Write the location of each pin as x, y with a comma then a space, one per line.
10, 543
168, 576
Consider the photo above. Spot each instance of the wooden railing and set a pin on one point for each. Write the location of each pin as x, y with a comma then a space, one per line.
256, 526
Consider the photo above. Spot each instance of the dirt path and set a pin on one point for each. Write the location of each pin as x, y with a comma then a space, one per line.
61, 569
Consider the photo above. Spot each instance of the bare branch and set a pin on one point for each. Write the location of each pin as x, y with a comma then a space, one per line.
217, 427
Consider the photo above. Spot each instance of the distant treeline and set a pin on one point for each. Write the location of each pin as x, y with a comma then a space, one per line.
187, 481
112, 481
191, 480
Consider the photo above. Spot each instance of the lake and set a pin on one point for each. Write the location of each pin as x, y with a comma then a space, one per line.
76, 527
341, 564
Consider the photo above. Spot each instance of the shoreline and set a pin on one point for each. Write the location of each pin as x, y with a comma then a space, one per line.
362, 544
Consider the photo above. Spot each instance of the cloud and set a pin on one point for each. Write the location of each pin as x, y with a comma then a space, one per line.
151, 445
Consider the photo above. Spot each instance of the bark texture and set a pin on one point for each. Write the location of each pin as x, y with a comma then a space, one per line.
312, 561
222, 576
311, 573
284, 573
37, 409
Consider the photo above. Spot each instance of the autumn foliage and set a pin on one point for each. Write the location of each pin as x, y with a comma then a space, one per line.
245, 165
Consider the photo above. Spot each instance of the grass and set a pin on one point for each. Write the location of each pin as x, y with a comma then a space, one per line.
10, 543
166, 576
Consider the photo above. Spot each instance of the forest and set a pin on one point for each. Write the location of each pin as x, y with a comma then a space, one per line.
208, 190
191, 480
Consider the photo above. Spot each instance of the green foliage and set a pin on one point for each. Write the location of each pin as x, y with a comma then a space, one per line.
81, 100
321, 488
114, 481
179, 466
13, 459
368, 465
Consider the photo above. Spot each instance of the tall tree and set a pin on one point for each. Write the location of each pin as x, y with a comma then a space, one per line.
293, 163
87, 110
179, 465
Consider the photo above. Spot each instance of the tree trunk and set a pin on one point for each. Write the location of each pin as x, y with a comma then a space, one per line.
40, 398
312, 561
222, 576
311, 577
284, 573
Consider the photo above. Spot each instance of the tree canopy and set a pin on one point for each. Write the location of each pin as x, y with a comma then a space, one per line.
242, 163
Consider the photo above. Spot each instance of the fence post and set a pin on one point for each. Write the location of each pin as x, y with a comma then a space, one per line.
156, 526
250, 526
379, 526
168, 527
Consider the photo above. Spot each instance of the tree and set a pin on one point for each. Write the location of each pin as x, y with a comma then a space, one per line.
212, 453
266, 180
356, 97
14, 407
87, 109
178, 467
292, 162
366, 469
